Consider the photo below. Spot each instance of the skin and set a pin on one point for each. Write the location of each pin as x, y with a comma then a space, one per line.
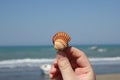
71, 64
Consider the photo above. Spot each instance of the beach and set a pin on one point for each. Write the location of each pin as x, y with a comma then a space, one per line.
24, 62
115, 76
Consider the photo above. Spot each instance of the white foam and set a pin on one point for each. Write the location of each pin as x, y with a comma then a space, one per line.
106, 60
37, 62
23, 62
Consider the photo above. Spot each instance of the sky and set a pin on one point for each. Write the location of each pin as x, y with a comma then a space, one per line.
34, 22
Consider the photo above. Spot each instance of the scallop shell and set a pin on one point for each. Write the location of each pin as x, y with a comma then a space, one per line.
61, 40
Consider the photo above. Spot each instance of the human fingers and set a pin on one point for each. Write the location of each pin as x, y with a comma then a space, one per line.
79, 56
65, 66
54, 70
83, 64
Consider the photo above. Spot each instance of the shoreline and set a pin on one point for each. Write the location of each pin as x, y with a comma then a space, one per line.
112, 76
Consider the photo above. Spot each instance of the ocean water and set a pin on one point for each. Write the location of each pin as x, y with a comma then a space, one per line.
23, 62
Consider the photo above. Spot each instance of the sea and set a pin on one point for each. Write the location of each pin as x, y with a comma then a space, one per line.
24, 62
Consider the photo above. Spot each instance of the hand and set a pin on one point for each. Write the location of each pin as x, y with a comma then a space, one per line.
72, 64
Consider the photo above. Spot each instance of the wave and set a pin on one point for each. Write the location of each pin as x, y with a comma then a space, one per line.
18, 63
105, 60
15, 63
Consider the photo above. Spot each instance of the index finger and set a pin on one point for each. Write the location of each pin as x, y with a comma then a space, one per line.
81, 58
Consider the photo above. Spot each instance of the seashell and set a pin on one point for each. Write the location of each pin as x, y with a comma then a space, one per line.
61, 40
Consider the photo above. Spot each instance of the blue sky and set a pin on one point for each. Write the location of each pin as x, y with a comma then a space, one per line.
34, 22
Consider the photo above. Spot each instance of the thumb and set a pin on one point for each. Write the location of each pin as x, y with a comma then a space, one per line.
65, 66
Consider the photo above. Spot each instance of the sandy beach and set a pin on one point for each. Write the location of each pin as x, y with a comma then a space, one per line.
108, 77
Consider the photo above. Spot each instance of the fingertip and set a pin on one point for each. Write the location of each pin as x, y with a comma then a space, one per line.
54, 70
52, 73
75, 52
51, 76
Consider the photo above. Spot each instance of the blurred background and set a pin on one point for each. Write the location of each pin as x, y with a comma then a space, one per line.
27, 27
28, 22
